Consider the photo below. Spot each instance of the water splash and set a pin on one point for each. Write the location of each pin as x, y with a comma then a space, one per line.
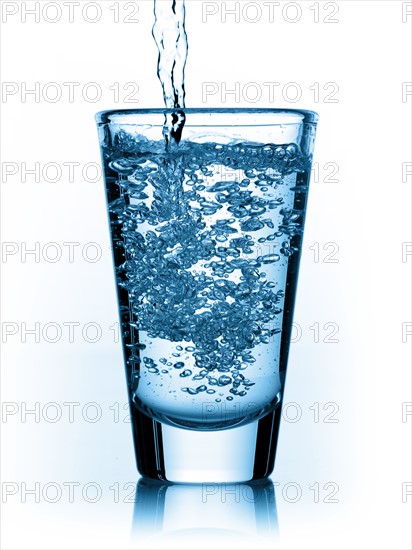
171, 40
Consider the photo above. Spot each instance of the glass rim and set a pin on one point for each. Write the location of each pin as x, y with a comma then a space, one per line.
301, 116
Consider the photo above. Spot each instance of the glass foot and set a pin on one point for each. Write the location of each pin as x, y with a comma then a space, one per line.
179, 455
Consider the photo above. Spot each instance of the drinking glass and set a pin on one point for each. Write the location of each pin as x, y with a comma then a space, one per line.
206, 225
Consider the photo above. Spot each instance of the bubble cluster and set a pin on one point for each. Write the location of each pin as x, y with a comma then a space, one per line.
204, 229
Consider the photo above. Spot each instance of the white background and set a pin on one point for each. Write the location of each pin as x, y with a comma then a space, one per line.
365, 211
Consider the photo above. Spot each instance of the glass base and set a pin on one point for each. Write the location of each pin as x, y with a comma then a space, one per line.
177, 455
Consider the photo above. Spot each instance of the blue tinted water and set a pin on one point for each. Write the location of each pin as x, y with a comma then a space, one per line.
203, 236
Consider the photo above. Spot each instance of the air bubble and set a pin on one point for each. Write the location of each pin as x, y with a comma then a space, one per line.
190, 391
122, 166
185, 373
224, 380
270, 258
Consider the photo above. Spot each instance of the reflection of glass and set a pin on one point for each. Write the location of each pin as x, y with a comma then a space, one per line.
207, 235
211, 510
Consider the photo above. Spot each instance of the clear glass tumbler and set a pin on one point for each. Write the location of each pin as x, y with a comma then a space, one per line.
207, 236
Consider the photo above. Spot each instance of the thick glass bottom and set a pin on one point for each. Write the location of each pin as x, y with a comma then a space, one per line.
178, 455
214, 416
